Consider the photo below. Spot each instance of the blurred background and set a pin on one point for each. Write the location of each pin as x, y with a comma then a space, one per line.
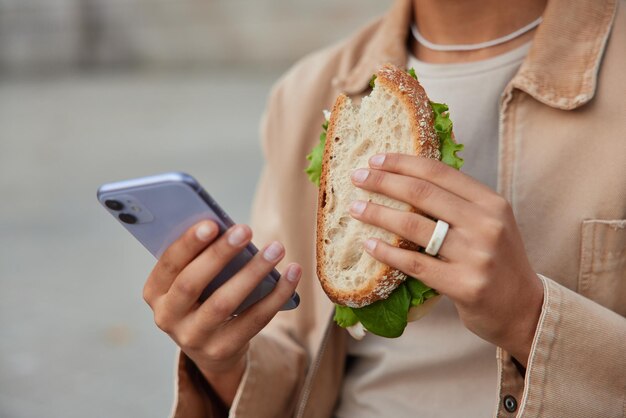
93, 91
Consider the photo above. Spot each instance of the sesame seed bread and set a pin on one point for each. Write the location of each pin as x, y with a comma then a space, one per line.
396, 117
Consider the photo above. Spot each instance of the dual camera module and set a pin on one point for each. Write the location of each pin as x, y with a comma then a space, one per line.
118, 206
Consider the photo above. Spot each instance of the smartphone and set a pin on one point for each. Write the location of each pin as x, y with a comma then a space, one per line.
158, 209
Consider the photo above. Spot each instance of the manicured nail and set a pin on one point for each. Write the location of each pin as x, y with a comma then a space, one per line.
358, 207
237, 236
273, 252
370, 244
360, 175
377, 160
204, 232
293, 274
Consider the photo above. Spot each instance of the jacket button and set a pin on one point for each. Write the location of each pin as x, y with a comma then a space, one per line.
510, 403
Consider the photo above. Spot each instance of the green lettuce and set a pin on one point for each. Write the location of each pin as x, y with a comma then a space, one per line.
314, 170
388, 317
420, 293
373, 81
344, 316
447, 146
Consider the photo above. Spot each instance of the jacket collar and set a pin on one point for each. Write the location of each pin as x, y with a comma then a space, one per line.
561, 68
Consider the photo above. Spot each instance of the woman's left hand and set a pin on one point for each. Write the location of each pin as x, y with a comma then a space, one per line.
481, 266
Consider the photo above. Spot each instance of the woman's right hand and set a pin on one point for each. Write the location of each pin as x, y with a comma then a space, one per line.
207, 332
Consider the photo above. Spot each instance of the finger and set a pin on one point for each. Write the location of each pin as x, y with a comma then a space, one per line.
430, 270
227, 298
255, 318
188, 286
176, 257
411, 226
434, 172
421, 194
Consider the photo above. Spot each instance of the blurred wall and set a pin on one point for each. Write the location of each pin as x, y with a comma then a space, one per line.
52, 36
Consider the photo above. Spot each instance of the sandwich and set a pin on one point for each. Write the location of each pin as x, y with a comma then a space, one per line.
396, 117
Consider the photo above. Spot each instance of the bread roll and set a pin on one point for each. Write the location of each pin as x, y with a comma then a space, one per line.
395, 118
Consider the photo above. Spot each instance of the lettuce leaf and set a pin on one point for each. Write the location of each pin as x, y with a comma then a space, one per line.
344, 316
388, 317
373, 81
314, 170
420, 293
443, 126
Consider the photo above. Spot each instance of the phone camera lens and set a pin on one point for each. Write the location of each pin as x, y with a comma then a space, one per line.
114, 204
128, 218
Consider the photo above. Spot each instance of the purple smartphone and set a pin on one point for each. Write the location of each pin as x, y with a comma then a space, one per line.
158, 209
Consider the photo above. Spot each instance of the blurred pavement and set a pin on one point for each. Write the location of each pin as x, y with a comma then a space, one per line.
76, 338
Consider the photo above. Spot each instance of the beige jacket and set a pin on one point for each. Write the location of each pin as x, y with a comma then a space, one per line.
562, 165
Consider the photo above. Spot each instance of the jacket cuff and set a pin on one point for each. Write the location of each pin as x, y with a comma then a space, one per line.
268, 387
271, 381
576, 365
193, 396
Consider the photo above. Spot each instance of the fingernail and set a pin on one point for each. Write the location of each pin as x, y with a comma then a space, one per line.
237, 236
204, 232
377, 160
273, 252
370, 245
358, 207
360, 175
293, 274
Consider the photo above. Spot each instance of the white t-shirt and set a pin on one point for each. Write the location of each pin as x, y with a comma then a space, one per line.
427, 371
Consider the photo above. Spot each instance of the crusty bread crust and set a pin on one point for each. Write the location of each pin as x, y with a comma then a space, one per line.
424, 143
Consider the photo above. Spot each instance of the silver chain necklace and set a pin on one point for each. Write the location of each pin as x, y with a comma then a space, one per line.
472, 47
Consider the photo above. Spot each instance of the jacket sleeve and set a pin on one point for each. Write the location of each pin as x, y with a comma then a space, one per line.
277, 360
577, 365
268, 389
